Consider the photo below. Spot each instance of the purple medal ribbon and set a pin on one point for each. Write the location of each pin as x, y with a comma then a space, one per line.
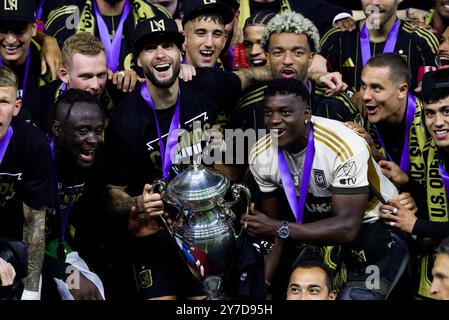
39, 10
65, 215
297, 205
444, 175
410, 115
113, 48
172, 138
389, 45
27, 71
5, 142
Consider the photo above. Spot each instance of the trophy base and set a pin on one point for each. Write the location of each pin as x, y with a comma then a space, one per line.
213, 285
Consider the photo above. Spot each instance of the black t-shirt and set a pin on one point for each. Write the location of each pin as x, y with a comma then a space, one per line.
320, 12
34, 81
56, 26
342, 50
25, 176
132, 147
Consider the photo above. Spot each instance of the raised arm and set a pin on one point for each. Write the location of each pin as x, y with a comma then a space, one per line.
251, 76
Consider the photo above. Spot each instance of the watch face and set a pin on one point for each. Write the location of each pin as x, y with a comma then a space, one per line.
283, 232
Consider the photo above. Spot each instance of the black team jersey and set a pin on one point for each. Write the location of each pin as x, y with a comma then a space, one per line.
250, 107
34, 81
132, 145
342, 50
61, 24
25, 177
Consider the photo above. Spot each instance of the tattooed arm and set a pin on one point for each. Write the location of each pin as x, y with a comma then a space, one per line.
120, 203
253, 75
34, 237
141, 210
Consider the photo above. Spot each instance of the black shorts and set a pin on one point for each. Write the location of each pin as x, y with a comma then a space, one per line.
159, 269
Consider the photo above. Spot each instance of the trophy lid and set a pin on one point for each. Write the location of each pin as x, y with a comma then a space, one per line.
198, 183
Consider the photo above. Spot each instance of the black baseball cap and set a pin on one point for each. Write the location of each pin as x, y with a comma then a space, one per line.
195, 8
435, 81
156, 28
18, 10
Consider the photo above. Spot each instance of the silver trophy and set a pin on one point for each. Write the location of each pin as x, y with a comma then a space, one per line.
204, 226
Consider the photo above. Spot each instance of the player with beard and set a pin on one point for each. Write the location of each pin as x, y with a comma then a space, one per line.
109, 20
381, 32
136, 153
76, 141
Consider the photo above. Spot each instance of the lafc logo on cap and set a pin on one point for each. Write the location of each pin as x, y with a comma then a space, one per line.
157, 25
209, 1
10, 5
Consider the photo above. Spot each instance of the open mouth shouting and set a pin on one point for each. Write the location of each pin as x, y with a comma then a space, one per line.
443, 60
288, 73
371, 110
207, 55
162, 69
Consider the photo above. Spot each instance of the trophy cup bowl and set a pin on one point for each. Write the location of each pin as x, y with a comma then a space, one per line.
204, 225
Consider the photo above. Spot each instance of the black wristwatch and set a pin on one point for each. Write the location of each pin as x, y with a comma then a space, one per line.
282, 231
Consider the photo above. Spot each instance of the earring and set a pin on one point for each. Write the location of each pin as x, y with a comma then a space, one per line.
305, 121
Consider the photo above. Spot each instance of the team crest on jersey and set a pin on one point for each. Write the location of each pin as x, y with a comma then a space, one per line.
320, 179
145, 279
349, 169
8, 186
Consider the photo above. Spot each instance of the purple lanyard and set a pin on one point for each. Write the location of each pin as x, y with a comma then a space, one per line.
39, 10
5, 142
113, 48
444, 175
410, 115
172, 138
64, 217
27, 71
389, 45
297, 205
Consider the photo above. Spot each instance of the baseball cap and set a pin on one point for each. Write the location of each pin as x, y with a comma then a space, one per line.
157, 27
435, 80
18, 10
195, 8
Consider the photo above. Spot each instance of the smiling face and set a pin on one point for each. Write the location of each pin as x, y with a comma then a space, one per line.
436, 117
289, 55
381, 96
285, 117
82, 133
443, 50
205, 39
15, 39
87, 73
9, 107
254, 52
161, 62
309, 284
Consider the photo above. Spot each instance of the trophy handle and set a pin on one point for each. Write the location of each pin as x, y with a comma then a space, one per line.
160, 185
237, 189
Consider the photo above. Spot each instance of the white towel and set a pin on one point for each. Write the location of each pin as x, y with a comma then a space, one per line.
74, 259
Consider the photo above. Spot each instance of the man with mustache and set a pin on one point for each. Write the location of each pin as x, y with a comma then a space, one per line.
382, 31
143, 144
114, 22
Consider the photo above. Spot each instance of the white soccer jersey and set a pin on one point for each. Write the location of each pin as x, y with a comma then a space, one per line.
342, 164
